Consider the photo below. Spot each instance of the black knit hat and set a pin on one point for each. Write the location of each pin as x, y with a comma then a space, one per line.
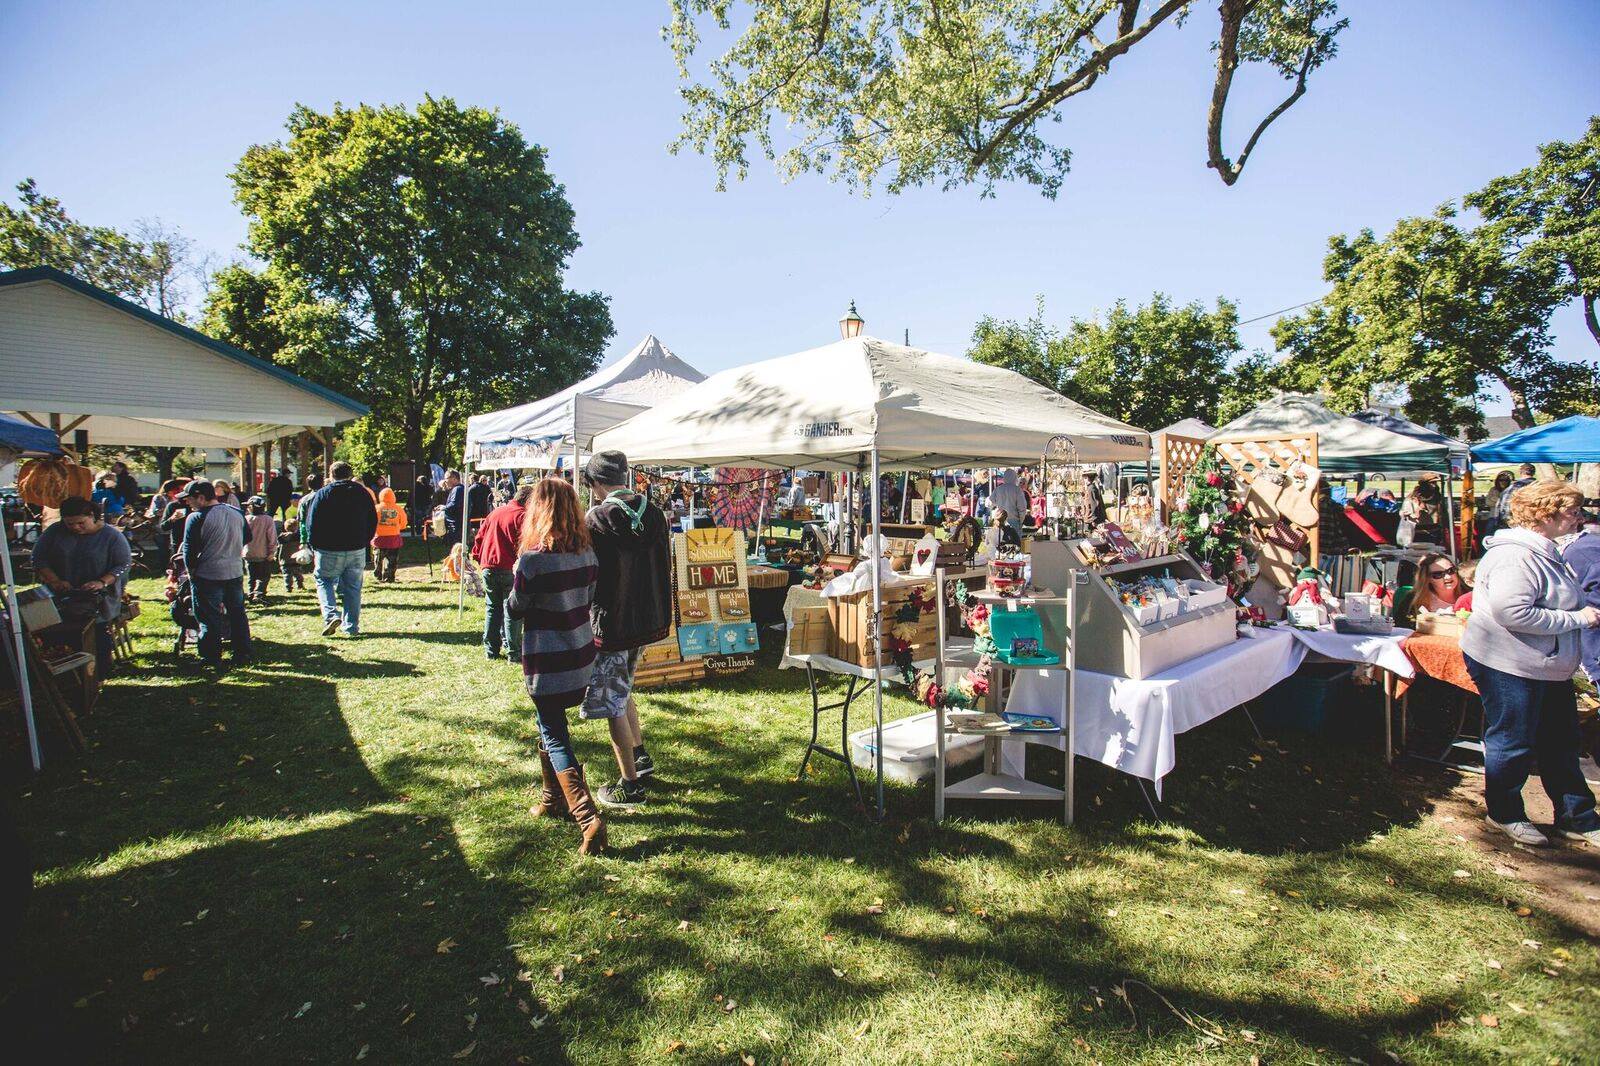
606, 468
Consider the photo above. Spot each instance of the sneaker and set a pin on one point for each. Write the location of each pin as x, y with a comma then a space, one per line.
331, 626
643, 764
491, 655
1591, 836
1522, 832
624, 793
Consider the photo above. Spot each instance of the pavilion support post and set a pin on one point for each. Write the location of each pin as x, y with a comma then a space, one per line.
305, 457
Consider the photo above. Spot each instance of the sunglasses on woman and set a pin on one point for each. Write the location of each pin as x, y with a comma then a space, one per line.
1442, 573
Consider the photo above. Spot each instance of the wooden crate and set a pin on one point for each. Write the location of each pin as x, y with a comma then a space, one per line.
810, 631
850, 616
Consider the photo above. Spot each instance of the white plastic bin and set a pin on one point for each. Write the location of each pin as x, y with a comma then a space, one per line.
910, 748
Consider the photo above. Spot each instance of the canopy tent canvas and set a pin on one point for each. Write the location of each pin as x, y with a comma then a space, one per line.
543, 433
1570, 440
1188, 427
830, 407
127, 376
21, 440
1405, 427
1345, 445
866, 405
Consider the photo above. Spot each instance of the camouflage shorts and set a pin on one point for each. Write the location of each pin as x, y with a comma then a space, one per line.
610, 685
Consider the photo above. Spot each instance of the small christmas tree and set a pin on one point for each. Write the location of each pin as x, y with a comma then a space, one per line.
1209, 520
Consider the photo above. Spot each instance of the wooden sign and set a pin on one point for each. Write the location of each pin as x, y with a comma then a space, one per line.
709, 545
733, 604
728, 664
718, 576
694, 606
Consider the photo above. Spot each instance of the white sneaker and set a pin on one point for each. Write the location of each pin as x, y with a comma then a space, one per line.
1590, 837
1522, 832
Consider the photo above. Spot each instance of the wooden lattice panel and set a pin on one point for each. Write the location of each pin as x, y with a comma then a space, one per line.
1178, 456
1249, 457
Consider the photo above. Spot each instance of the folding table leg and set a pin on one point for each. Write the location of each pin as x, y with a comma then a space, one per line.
1149, 800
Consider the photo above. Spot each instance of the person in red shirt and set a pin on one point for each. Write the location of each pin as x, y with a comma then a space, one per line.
495, 550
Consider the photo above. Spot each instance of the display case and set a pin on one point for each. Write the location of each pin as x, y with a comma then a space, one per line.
1139, 641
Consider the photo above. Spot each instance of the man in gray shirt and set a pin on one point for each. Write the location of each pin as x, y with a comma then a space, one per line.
214, 537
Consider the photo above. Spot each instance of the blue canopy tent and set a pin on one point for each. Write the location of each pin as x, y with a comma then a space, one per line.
1571, 440
20, 440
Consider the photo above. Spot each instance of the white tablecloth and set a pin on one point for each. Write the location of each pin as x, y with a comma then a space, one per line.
1131, 725
1384, 651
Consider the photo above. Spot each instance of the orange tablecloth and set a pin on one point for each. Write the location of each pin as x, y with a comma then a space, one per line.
1438, 657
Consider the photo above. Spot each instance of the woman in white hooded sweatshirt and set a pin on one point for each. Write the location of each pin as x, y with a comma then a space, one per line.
1521, 647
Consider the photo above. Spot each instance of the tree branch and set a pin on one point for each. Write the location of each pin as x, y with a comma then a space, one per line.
1589, 319
1080, 79
1233, 15
785, 81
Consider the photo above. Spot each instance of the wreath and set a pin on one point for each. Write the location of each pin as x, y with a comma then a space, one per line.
930, 691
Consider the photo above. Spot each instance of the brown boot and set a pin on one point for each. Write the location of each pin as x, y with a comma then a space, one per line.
552, 803
581, 805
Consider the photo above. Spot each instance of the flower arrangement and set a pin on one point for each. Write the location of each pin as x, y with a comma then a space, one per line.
974, 684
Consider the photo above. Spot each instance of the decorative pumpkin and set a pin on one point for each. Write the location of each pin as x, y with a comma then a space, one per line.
46, 482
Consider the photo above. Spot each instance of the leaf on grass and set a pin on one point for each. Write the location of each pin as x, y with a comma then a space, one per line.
1494, 964
306, 924
1410, 997
1532, 944
683, 925
747, 1058
1489, 1021
303, 1008
559, 972
202, 915
1523, 912
773, 909
407, 1019
876, 908
153, 972
363, 1052
490, 980
837, 972
674, 1047
1459, 874
609, 972
464, 1052
445, 945
612, 877
861, 1030
727, 1008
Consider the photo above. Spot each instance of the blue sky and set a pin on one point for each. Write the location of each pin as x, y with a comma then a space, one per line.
138, 110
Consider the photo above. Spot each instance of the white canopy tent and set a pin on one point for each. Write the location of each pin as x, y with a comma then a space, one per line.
75, 358
867, 405
542, 433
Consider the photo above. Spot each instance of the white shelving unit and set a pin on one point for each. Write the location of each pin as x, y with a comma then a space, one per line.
993, 782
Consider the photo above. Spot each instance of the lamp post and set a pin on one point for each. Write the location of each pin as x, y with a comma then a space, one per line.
850, 325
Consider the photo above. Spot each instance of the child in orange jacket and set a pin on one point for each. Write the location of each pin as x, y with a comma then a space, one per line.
387, 540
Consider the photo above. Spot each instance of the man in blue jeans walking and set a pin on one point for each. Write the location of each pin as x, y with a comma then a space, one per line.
214, 536
339, 521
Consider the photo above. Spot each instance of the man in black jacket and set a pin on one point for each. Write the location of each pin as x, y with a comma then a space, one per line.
279, 491
338, 521
632, 608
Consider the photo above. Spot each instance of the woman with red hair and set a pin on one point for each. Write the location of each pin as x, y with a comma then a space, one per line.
551, 592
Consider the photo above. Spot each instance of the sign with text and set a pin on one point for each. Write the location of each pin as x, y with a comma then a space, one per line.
718, 576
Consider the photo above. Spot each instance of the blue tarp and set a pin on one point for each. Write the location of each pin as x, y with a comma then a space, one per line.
1571, 440
19, 436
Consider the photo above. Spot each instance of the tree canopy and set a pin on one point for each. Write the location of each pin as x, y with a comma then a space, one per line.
413, 259
1149, 366
902, 93
1551, 211
1440, 311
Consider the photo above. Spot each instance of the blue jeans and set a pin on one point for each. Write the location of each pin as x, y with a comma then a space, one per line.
339, 576
499, 628
219, 608
555, 735
1525, 720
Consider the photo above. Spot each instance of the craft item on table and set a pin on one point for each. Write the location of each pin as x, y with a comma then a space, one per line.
1008, 574
733, 604
924, 557
1029, 723
713, 575
694, 606
1380, 594
1018, 637
1214, 542
980, 723
739, 495
919, 510
709, 545
696, 640
740, 637
1360, 607
1119, 540
1377, 626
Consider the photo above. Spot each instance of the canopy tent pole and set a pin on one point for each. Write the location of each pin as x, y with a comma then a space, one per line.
466, 532
575, 482
877, 621
1450, 516
19, 663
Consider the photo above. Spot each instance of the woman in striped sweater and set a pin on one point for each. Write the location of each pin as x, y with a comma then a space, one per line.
552, 588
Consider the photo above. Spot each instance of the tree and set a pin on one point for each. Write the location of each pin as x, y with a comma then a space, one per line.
1441, 312
1552, 211
1149, 366
414, 259
913, 92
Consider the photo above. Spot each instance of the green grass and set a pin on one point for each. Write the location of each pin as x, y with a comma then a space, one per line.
266, 865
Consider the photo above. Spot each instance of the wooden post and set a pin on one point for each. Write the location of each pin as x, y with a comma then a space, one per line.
1469, 509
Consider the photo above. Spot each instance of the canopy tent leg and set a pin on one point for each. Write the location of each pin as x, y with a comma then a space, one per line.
466, 532
576, 484
19, 661
877, 626
1450, 517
